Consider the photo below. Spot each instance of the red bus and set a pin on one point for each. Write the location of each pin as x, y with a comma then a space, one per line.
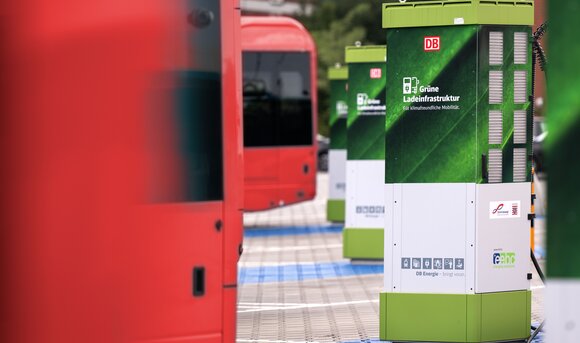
280, 112
122, 178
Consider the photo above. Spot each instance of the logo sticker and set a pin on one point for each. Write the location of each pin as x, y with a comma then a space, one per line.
502, 259
410, 85
432, 44
504, 209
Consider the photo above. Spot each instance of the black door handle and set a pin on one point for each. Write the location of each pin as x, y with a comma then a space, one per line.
198, 281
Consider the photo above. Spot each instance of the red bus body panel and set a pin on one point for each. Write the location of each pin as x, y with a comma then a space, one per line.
280, 175
87, 255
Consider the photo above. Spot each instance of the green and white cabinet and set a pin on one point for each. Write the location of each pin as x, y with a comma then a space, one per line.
365, 172
458, 136
338, 80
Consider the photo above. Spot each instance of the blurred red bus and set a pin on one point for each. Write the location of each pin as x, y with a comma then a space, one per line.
280, 112
122, 180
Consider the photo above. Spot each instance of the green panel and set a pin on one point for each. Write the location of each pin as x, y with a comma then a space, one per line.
364, 54
366, 115
431, 138
421, 13
455, 317
360, 243
529, 306
383, 316
473, 329
338, 113
562, 147
426, 317
338, 73
335, 210
504, 316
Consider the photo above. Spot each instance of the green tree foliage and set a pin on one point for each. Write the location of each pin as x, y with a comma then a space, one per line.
335, 24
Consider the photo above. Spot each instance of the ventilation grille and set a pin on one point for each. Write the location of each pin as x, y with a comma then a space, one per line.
520, 48
495, 127
495, 166
495, 87
520, 164
520, 127
520, 86
495, 48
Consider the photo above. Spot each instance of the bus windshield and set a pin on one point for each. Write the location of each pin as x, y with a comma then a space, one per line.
277, 99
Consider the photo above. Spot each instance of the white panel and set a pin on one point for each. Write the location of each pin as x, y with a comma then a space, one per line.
520, 86
495, 127
495, 48
495, 87
495, 166
470, 247
389, 217
563, 310
502, 244
336, 174
520, 127
521, 47
397, 235
520, 164
434, 232
365, 202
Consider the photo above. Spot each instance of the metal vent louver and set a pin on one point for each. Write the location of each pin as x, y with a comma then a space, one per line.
495, 87
495, 166
495, 127
495, 48
520, 86
520, 127
520, 48
520, 164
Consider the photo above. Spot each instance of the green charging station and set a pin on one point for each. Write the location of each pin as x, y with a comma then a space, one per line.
338, 81
458, 145
365, 210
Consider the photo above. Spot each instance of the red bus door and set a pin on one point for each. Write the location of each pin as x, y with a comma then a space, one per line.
195, 223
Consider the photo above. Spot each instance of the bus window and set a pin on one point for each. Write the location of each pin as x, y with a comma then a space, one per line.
277, 99
199, 128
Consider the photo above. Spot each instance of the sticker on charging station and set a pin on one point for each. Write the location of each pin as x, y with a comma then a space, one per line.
504, 209
376, 73
432, 43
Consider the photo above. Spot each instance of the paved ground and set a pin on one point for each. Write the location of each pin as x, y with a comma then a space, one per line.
294, 285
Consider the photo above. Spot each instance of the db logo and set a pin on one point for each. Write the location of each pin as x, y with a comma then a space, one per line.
432, 44
376, 73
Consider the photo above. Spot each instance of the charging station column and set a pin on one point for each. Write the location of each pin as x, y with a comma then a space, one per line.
338, 80
458, 140
365, 172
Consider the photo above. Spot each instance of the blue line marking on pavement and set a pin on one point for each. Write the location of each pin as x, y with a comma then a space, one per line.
291, 230
305, 271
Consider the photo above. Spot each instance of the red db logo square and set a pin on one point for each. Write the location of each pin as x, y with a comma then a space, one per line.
432, 43
376, 73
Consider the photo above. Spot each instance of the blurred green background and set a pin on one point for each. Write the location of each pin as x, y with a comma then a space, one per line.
335, 24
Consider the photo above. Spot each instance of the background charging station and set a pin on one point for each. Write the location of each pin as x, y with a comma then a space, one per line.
363, 232
338, 79
458, 139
